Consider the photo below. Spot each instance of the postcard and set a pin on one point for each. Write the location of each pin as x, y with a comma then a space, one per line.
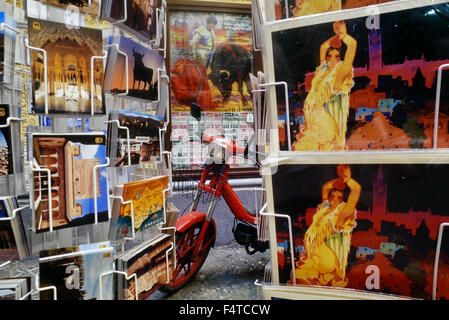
7, 49
300, 8
366, 221
71, 159
365, 81
147, 206
13, 242
143, 66
14, 288
143, 143
69, 70
149, 263
141, 16
91, 7
6, 163
75, 272
274, 292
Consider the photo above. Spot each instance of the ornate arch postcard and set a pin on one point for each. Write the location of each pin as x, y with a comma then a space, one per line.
69, 54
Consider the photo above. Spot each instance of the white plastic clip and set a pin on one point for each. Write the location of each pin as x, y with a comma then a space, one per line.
5, 264
8, 122
14, 213
165, 221
49, 198
94, 169
127, 138
4, 25
92, 85
160, 33
437, 259
159, 77
126, 14
134, 275
167, 262
116, 46
437, 104
55, 295
290, 234
287, 107
123, 202
45, 71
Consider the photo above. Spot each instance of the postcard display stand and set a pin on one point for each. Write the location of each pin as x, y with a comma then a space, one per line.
97, 182
353, 196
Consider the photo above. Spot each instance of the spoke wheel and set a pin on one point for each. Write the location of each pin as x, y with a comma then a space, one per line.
187, 266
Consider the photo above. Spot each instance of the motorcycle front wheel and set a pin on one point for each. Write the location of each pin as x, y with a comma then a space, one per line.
187, 266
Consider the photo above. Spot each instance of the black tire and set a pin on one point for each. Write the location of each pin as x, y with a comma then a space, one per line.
176, 284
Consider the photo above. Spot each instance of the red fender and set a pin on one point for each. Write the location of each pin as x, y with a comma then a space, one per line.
191, 218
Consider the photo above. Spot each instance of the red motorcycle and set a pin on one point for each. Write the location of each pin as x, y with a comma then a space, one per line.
196, 230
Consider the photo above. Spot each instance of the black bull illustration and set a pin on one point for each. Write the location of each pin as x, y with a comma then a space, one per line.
230, 63
141, 72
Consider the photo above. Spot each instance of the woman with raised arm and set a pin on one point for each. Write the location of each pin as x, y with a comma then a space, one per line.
326, 107
327, 241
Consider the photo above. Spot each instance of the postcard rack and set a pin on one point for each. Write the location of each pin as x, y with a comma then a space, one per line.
11, 217
134, 275
10, 93
91, 122
272, 217
266, 27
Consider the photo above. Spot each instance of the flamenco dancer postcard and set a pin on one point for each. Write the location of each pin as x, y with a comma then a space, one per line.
367, 221
276, 9
360, 79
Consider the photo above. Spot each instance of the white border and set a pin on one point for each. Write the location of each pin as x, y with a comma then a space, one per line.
301, 292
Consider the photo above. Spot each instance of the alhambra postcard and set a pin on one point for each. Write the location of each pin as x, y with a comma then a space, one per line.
69, 71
